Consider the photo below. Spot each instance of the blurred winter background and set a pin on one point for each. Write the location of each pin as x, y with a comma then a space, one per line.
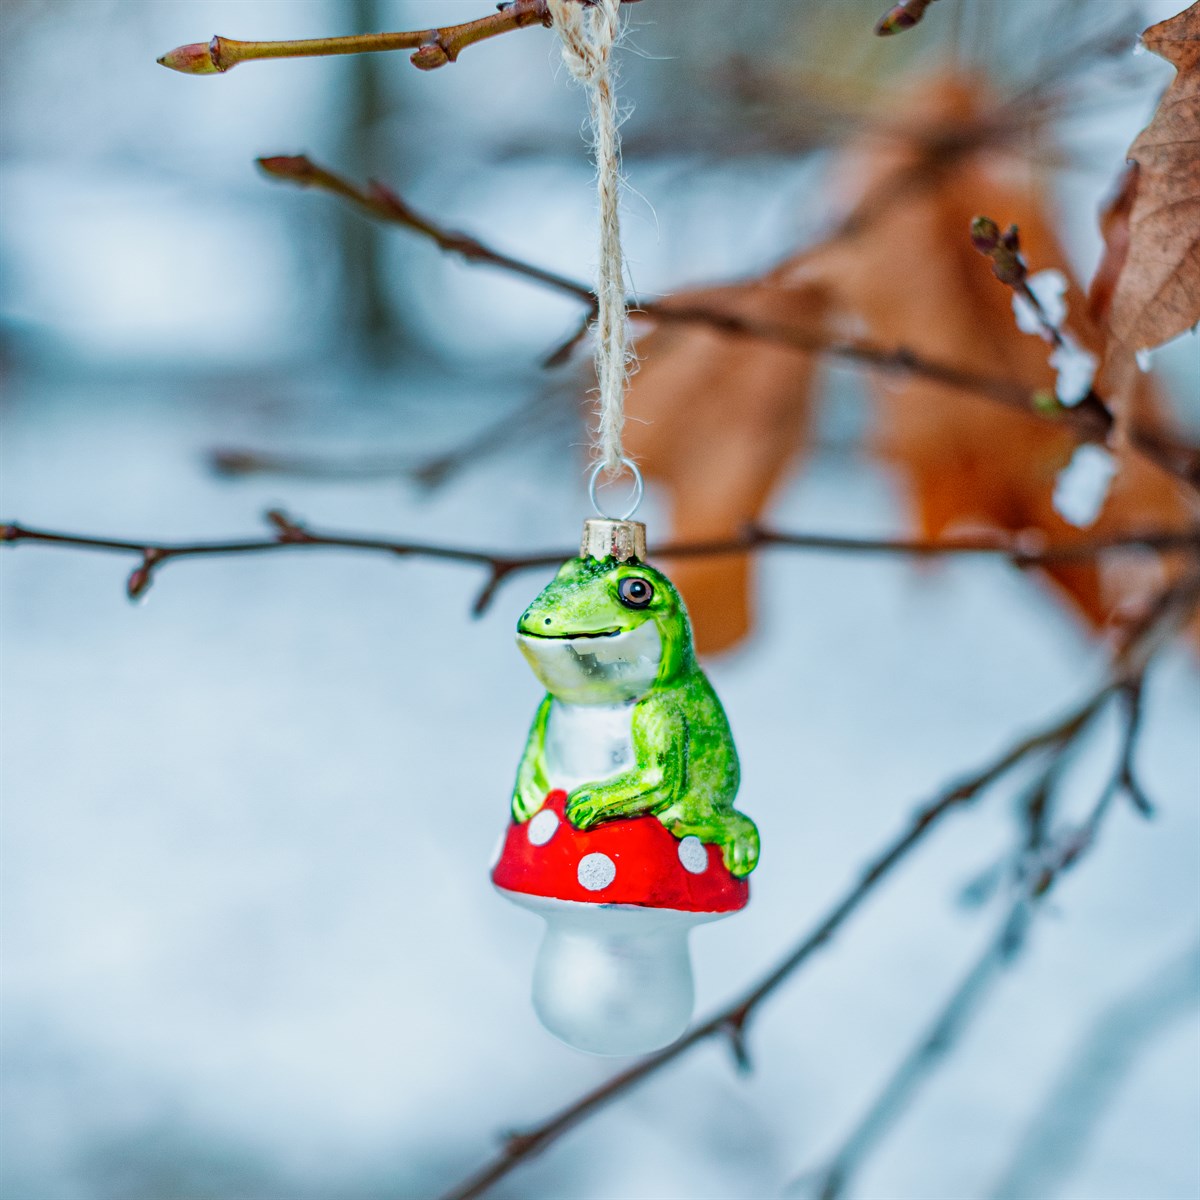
249, 946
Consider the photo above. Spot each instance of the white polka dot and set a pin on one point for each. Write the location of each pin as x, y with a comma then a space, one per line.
542, 827
693, 855
596, 871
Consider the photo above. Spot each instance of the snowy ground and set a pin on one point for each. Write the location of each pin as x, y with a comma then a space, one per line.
249, 946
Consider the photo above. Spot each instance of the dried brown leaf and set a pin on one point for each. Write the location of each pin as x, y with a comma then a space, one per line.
1114, 228
911, 277
1157, 292
717, 420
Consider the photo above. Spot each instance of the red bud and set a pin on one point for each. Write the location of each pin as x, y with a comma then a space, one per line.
297, 168
139, 581
198, 58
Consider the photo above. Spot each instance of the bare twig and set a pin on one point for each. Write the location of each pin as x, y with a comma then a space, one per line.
1041, 867
1125, 780
291, 535
792, 113
1076, 366
529, 419
432, 48
830, 1181
1142, 639
1003, 248
379, 201
1090, 420
238, 461
1062, 1126
731, 1021
1038, 802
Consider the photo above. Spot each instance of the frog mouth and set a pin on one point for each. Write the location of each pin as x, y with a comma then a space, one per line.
597, 666
570, 637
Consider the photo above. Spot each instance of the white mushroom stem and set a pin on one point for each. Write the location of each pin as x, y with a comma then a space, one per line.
613, 978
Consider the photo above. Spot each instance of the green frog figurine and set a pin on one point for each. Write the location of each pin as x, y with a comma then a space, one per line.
624, 833
630, 723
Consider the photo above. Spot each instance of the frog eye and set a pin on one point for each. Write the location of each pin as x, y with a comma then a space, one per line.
635, 592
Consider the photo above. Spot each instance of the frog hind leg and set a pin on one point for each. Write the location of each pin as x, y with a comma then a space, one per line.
734, 832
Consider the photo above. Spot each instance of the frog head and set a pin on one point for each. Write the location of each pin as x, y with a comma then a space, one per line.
606, 632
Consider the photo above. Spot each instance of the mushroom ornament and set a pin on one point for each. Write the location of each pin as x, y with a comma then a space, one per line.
623, 832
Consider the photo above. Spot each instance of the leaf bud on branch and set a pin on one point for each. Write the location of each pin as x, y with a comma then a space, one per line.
902, 16
1003, 248
432, 48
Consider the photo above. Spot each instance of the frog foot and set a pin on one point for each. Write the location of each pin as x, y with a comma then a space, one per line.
736, 834
583, 809
739, 845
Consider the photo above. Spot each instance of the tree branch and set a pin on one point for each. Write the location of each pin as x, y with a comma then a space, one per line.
1065, 1120
432, 48
529, 419
1142, 639
1090, 420
829, 1182
1042, 868
292, 535
379, 201
1125, 779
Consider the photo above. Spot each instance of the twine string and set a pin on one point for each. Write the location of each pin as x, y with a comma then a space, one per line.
589, 29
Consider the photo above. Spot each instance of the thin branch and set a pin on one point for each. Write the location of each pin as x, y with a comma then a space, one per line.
289, 535
379, 201
235, 462
1090, 420
1041, 868
1075, 365
733, 1019
829, 1182
292, 535
1003, 249
1142, 639
1051, 863
432, 48
778, 111
1126, 779
1038, 803
1063, 1124
528, 420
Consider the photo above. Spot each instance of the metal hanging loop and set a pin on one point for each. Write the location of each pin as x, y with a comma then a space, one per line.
639, 490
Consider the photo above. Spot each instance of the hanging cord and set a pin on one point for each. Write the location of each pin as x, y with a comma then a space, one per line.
589, 30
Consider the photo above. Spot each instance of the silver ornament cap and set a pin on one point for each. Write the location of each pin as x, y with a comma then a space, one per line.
604, 538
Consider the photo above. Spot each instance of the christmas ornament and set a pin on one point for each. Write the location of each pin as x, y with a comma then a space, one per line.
623, 835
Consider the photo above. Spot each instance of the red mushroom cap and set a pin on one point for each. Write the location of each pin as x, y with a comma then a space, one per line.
631, 860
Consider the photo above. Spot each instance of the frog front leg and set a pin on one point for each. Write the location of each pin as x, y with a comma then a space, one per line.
529, 792
660, 740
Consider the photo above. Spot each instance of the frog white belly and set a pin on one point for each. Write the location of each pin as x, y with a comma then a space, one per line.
587, 742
